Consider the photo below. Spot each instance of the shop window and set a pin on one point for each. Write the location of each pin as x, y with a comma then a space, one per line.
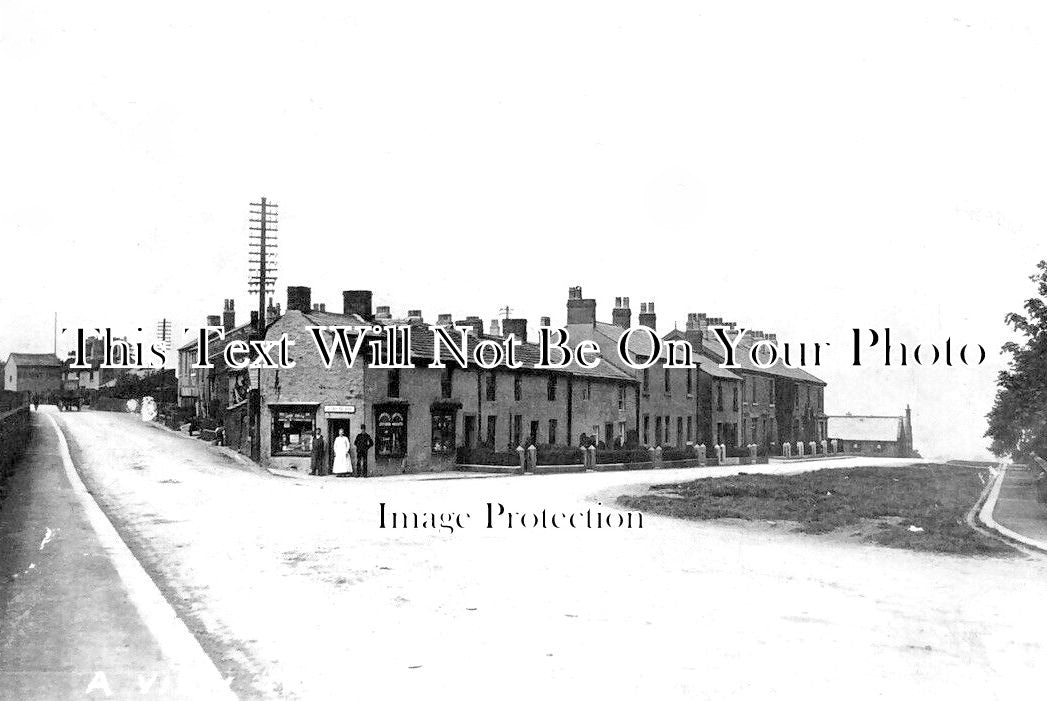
443, 432
293, 430
390, 432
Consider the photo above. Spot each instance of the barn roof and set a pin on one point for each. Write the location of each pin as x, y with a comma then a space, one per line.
35, 359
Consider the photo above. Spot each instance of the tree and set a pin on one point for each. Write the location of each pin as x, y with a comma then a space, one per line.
1018, 420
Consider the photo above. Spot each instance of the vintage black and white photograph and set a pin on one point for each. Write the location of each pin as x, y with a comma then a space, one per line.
553, 350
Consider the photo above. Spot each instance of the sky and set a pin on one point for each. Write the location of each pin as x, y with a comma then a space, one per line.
804, 168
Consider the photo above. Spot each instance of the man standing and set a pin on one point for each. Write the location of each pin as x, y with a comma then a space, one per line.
318, 464
363, 444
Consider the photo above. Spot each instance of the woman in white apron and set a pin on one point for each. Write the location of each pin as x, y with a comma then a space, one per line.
342, 466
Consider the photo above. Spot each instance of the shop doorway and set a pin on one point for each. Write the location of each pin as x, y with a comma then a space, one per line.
470, 431
332, 432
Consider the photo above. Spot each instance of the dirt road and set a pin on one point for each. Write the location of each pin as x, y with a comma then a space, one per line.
296, 591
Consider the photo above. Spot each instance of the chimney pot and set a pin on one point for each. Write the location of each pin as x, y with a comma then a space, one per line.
357, 302
443, 319
647, 316
545, 321
299, 298
517, 328
580, 311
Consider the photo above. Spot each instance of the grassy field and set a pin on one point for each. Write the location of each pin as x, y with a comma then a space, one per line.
922, 507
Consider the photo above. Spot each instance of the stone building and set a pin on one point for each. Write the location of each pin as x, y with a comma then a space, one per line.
674, 406
35, 373
874, 435
777, 404
420, 417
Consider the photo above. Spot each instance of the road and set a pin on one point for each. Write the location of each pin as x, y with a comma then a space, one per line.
296, 592
75, 624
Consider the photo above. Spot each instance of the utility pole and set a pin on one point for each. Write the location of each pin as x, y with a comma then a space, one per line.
507, 310
163, 333
262, 254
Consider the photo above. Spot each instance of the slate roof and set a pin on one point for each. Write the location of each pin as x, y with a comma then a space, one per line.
423, 346
745, 363
865, 428
35, 360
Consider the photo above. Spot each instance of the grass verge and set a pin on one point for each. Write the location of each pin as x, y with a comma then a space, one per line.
920, 507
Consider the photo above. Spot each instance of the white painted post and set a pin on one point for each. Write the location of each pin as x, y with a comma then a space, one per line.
523, 458
532, 456
787, 450
591, 460
799, 448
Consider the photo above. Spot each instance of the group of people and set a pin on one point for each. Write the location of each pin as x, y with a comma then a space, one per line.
343, 460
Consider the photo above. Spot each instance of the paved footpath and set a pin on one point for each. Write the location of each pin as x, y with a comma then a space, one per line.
1018, 508
69, 627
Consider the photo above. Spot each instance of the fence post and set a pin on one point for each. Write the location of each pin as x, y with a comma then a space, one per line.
825, 447
656, 456
532, 457
799, 448
523, 459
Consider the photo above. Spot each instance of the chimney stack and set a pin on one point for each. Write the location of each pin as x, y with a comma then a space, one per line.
228, 316
622, 315
382, 312
357, 302
580, 311
474, 323
495, 329
444, 320
545, 321
299, 299
647, 315
214, 320
414, 315
517, 328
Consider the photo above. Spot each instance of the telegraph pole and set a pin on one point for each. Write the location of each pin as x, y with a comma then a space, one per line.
262, 254
163, 333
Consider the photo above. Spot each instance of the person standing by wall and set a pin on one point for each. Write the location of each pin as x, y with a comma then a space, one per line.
363, 444
342, 468
318, 463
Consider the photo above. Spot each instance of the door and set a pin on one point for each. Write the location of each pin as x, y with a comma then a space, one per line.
332, 432
470, 431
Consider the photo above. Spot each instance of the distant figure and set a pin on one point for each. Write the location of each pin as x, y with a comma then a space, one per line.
342, 468
318, 463
363, 445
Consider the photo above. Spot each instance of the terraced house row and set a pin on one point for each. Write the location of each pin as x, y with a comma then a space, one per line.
421, 418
